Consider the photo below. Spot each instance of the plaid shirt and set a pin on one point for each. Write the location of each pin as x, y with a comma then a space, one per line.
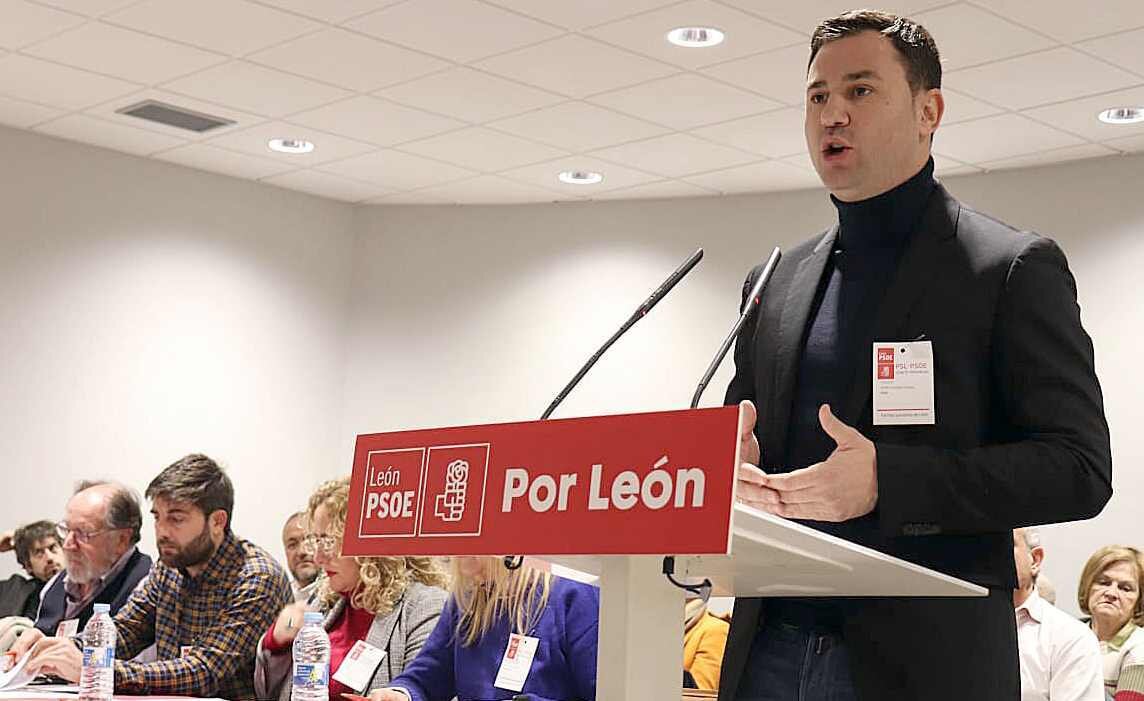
205, 629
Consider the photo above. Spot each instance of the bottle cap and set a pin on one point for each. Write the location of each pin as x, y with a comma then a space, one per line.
312, 617
101, 608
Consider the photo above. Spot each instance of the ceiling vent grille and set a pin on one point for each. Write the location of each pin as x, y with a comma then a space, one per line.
172, 116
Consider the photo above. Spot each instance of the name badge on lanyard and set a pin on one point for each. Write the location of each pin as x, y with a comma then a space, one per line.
359, 665
903, 383
517, 662
68, 628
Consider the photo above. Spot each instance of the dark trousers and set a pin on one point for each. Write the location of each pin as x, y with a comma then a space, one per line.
788, 662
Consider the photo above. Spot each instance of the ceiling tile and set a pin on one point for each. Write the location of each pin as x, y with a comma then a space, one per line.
675, 155
17, 113
957, 171
375, 120
220, 160
89, 8
1122, 49
325, 185
545, 175
942, 165
1040, 78
576, 66
107, 111
483, 149
350, 60
89, 130
327, 147
397, 171
492, 189
967, 36
1068, 21
804, 15
685, 101
1130, 144
773, 134
48, 83
962, 108
413, 197
745, 34
234, 27
473, 96
582, 13
124, 53
256, 89
663, 189
780, 75
1080, 116
578, 126
768, 176
333, 11
460, 30
1063, 155
25, 23
995, 138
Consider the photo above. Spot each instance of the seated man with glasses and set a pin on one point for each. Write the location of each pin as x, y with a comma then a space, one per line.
203, 606
102, 563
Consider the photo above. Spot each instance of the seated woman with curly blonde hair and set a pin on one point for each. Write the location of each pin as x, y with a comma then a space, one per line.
547, 624
390, 603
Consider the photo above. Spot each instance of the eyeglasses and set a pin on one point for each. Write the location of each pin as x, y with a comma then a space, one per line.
63, 530
326, 544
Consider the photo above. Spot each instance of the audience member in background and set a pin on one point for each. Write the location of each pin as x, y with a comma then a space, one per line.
299, 560
38, 552
1060, 658
1109, 592
704, 639
208, 599
551, 623
1046, 588
101, 526
387, 604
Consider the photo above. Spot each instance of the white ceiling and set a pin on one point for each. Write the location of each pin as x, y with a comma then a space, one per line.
473, 101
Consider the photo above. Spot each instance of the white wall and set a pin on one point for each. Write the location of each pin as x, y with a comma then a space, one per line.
481, 314
148, 311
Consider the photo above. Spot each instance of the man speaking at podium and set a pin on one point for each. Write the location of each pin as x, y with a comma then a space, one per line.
923, 386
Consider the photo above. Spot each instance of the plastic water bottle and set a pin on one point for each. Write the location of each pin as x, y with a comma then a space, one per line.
97, 679
311, 661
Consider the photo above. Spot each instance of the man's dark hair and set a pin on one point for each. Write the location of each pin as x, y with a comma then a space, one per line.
197, 479
123, 509
25, 538
915, 46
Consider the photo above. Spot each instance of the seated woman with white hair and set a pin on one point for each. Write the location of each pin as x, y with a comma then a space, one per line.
1109, 592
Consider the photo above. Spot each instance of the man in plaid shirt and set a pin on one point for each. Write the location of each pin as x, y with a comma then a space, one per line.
207, 601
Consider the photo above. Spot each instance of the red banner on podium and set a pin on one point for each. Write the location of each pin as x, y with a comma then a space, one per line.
635, 484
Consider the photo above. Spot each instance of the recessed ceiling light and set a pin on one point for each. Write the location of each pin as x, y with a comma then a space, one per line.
290, 145
695, 37
580, 177
1122, 115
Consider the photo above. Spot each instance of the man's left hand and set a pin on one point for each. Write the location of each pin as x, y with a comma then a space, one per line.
842, 487
58, 656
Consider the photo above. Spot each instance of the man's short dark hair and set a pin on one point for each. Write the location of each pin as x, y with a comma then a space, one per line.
915, 46
25, 538
123, 509
197, 479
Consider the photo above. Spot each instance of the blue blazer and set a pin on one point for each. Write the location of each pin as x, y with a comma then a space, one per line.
564, 667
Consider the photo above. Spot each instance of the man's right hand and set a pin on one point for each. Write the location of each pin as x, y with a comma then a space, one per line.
751, 490
26, 641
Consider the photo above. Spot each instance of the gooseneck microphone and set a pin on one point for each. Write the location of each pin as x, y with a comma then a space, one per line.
513, 562
749, 305
641, 311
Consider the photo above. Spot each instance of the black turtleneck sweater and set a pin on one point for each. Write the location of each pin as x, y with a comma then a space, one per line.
872, 234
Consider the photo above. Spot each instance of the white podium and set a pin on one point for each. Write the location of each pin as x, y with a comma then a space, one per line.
641, 613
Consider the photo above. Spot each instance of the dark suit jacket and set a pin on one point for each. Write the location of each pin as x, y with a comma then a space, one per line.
1020, 439
114, 592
